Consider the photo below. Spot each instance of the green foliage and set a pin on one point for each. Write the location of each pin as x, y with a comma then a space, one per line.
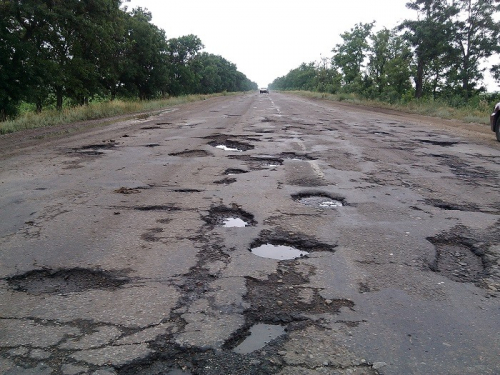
57, 53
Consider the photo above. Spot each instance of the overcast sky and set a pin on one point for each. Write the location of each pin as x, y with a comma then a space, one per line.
268, 38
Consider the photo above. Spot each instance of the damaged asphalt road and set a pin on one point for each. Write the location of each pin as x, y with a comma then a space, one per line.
251, 234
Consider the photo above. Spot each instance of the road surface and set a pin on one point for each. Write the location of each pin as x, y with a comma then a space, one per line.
251, 234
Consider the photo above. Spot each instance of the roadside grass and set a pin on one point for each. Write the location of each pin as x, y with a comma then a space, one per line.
93, 111
478, 114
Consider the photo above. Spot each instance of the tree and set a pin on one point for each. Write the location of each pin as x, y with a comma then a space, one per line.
431, 35
144, 66
180, 53
476, 37
349, 56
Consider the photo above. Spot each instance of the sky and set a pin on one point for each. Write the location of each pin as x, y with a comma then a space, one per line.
268, 38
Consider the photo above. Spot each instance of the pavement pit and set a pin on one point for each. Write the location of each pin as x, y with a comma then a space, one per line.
260, 336
191, 154
319, 200
229, 217
233, 171
66, 281
234, 222
279, 252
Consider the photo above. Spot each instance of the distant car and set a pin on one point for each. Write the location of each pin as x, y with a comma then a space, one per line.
495, 121
264, 90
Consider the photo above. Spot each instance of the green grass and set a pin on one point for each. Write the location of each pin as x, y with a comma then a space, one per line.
93, 111
479, 114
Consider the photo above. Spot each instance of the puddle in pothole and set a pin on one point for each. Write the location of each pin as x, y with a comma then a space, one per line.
279, 252
226, 148
229, 217
234, 222
260, 336
318, 200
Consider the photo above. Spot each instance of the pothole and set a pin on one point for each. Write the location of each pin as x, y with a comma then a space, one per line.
152, 145
457, 259
125, 190
191, 154
259, 336
156, 208
233, 171
279, 252
295, 156
283, 245
438, 143
319, 200
259, 162
225, 181
450, 206
229, 217
223, 143
151, 127
286, 296
66, 281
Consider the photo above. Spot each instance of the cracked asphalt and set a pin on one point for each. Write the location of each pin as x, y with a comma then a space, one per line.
116, 256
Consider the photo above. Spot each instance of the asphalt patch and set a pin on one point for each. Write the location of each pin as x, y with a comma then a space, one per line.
66, 281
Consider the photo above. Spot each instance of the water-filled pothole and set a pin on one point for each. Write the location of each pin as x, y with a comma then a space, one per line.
229, 217
260, 336
282, 245
279, 252
320, 200
229, 145
234, 222
259, 162
66, 280
232, 171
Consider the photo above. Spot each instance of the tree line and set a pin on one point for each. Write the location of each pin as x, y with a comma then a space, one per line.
54, 52
438, 55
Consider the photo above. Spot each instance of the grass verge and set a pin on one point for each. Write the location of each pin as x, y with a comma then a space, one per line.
94, 111
467, 114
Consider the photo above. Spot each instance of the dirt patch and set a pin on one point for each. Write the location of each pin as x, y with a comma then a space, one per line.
192, 154
66, 281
